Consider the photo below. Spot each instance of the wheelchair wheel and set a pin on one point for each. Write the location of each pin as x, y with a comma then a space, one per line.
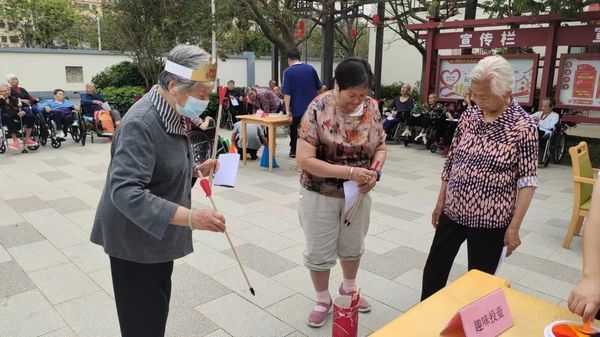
82, 129
229, 125
2, 148
433, 147
55, 144
201, 146
559, 148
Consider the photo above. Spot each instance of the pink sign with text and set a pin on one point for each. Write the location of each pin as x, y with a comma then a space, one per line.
488, 316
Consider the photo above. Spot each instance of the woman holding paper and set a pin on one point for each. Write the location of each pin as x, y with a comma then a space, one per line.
488, 179
340, 137
585, 298
144, 219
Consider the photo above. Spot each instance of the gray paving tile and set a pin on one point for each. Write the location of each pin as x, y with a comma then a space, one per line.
195, 287
398, 212
97, 184
218, 333
184, 321
296, 334
549, 268
58, 162
93, 315
18, 234
208, 260
389, 191
541, 196
241, 318
256, 258
64, 332
100, 169
68, 205
408, 256
28, 314
88, 257
383, 265
27, 204
238, 196
37, 255
9, 217
63, 283
265, 239
54, 175
13, 280
276, 187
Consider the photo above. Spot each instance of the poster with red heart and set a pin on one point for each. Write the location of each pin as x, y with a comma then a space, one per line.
453, 76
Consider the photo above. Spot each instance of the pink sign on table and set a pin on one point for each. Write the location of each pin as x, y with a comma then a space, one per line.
488, 316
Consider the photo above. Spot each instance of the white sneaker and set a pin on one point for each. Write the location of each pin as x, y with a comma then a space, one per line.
424, 140
419, 137
406, 133
60, 134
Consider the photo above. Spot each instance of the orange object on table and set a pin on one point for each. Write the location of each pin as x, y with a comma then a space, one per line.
531, 315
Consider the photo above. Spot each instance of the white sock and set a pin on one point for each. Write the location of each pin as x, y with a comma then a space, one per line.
349, 285
322, 297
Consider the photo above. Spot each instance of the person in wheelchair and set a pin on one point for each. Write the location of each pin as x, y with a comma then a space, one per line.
28, 102
12, 114
235, 98
61, 112
91, 101
546, 120
401, 108
428, 110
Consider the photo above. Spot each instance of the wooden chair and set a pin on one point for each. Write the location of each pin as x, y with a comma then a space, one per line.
583, 182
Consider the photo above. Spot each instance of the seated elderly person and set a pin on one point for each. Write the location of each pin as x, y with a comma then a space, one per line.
401, 108
546, 119
61, 112
91, 101
27, 101
11, 111
263, 99
422, 118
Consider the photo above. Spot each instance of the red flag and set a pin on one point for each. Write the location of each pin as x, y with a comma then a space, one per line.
222, 92
375, 19
301, 28
206, 187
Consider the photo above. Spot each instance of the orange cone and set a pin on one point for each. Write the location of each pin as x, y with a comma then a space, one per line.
232, 149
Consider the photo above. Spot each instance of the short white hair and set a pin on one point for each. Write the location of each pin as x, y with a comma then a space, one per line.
4, 85
11, 76
497, 71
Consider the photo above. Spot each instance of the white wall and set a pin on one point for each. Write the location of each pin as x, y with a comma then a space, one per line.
46, 71
401, 61
233, 69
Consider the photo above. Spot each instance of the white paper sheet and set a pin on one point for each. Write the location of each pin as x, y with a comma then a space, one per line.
390, 117
106, 106
350, 194
228, 169
234, 101
502, 258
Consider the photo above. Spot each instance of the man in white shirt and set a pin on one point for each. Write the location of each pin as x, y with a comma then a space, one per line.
546, 119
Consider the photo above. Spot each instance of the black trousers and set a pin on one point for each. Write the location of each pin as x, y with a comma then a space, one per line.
484, 247
142, 294
294, 133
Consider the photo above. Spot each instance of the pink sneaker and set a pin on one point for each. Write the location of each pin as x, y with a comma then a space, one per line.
14, 145
363, 305
30, 142
318, 318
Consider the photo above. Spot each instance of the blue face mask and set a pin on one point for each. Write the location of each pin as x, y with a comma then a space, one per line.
193, 107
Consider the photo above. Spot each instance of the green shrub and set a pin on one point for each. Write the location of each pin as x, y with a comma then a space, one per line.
119, 75
122, 98
391, 91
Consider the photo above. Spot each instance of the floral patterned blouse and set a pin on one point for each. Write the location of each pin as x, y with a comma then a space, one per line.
487, 163
340, 139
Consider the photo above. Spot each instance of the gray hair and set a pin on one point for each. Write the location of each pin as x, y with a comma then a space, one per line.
497, 71
249, 89
185, 55
90, 84
11, 76
4, 85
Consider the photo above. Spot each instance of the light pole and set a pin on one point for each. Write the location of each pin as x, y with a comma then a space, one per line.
214, 33
99, 32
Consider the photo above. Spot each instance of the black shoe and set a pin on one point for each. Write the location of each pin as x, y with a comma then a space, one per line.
292, 154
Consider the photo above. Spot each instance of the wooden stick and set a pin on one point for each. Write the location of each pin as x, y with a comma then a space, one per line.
234, 252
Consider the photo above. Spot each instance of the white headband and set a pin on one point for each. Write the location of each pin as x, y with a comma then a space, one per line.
178, 70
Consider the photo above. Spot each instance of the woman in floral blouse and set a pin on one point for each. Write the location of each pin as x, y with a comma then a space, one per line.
488, 180
340, 137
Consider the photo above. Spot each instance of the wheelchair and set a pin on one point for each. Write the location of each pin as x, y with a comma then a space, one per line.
95, 129
48, 130
202, 142
555, 147
4, 136
227, 119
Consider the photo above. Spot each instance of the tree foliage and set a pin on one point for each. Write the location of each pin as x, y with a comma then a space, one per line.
147, 29
502, 8
47, 23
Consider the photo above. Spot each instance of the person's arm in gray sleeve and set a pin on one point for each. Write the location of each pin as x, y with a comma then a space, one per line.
131, 171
